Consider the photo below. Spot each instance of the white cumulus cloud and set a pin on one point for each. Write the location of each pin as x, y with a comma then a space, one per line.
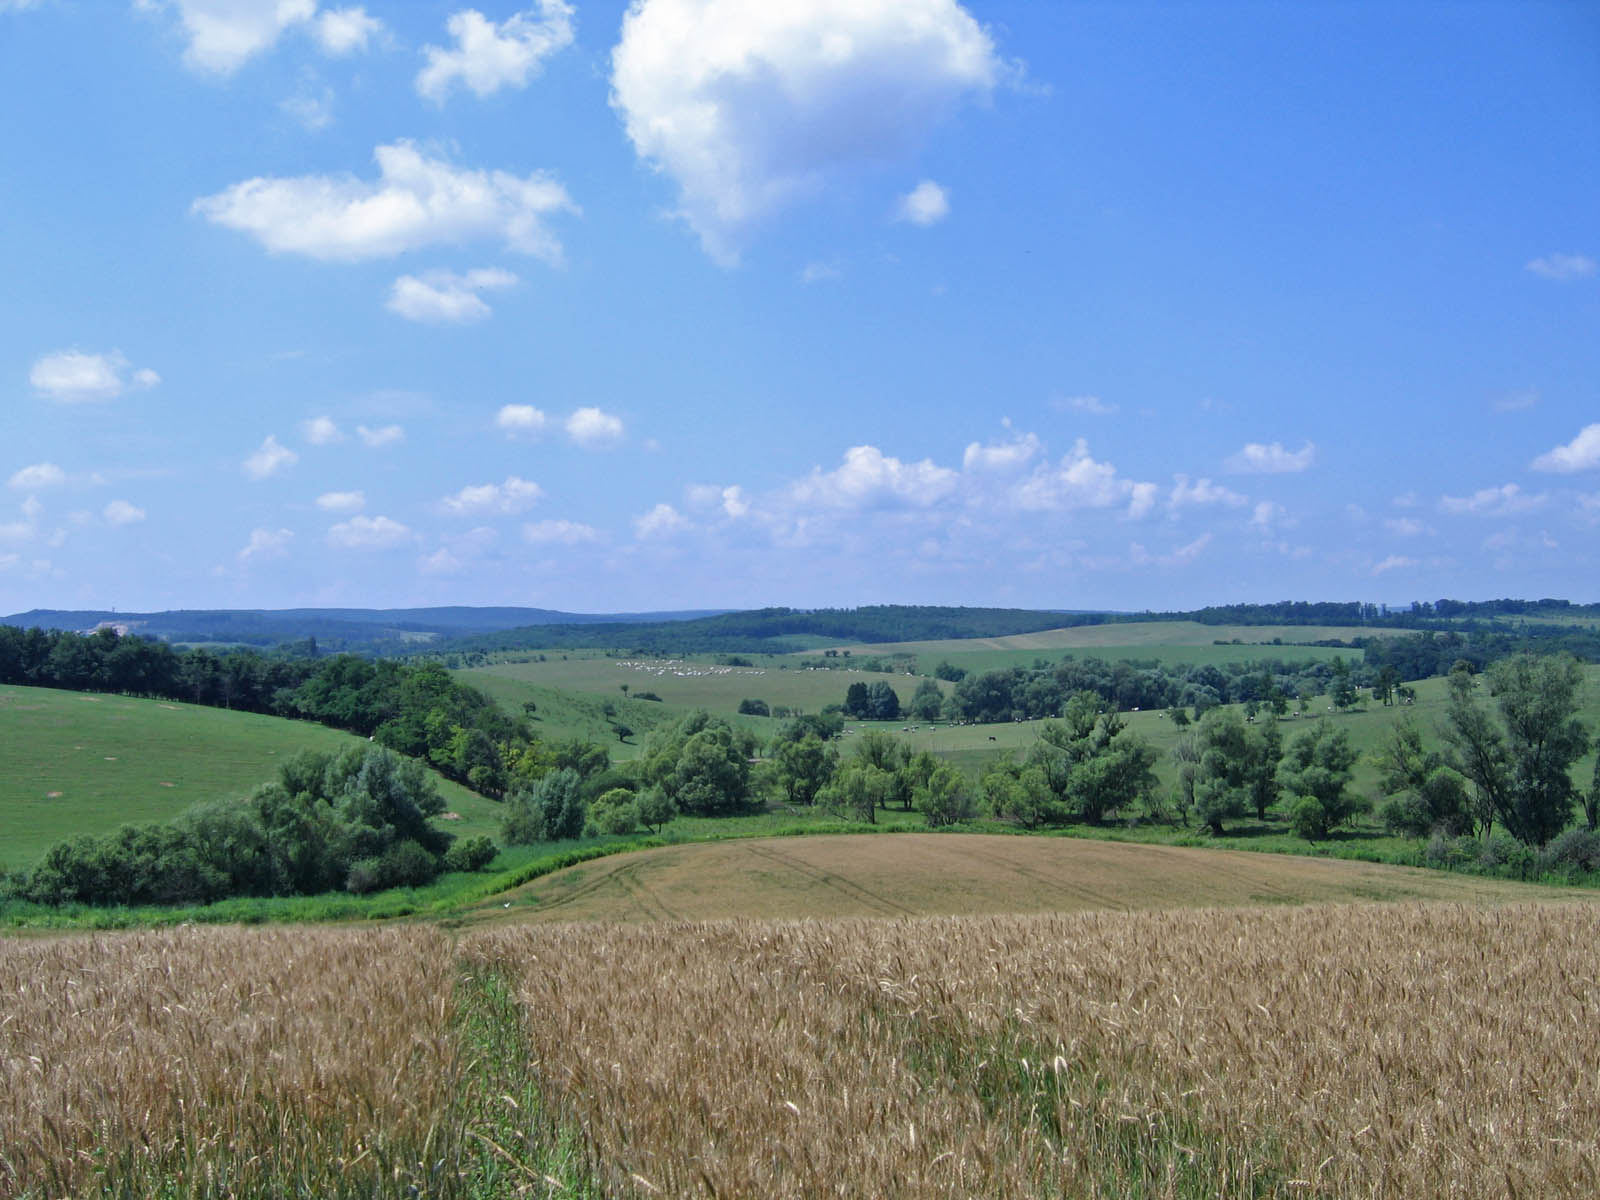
1002, 458
266, 543
558, 532
1563, 268
1258, 459
487, 57
1582, 453
749, 107
342, 502
1092, 405
520, 420
868, 478
445, 298
1504, 501
416, 201
368, 533
926, 204
383, 435
1202, 492
1081, 481
76, 377
341, 31
222, 35
37, 476
270, 457
321, 431
121, 512
594, 429
661, 521
513, 496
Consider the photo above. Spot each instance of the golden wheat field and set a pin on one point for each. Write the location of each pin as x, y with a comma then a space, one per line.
1379, 1050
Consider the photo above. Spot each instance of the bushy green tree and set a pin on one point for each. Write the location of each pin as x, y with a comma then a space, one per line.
552, 809
946, 798
1317, 771
1425, 795
1521, 764
927, 701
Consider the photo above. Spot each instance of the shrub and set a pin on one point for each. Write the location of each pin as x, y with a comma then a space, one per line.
754, 708
407, 864
470, 854
1576, 849
1309, 819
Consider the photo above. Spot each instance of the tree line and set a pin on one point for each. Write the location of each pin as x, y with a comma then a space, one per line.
356, 820
417, 709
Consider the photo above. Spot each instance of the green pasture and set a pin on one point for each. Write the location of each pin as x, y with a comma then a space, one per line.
571, 691
74, 762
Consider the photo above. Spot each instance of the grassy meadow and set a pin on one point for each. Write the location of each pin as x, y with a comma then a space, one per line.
1330, 1050
77, 762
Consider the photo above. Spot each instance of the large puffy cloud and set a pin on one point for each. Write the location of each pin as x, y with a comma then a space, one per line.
1081, 481
1582, 453
868, 478
416, 201
445, 298
76, 377
487, 57
750, 106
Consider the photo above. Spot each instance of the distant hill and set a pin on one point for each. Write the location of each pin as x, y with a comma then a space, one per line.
334, 628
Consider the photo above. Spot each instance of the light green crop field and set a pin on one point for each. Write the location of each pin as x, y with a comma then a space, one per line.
75, 762
974, 661
1122, 635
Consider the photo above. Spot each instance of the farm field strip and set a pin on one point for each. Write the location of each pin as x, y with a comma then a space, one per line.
1256, 640
960, 874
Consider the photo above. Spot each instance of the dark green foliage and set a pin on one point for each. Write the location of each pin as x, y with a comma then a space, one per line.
307, 832
949, 673
702, 764
1090, 766
1574, 850
550, 810
1237, 767
754, 708
614, 812
1520, 764
946, 798
803, 768
470, 854
1425, 795
1318, 767
927, 701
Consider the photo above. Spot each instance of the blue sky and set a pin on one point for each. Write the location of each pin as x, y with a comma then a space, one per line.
704, 303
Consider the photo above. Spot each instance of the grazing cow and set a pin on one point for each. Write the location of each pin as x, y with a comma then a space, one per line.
991, 737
